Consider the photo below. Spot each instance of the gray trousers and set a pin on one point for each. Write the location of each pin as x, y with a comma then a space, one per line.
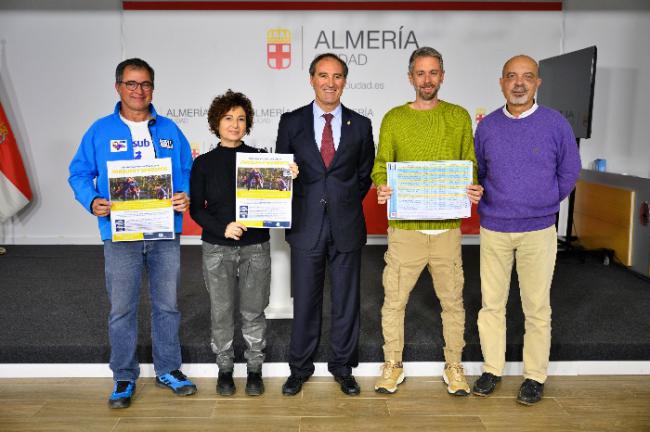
246, 271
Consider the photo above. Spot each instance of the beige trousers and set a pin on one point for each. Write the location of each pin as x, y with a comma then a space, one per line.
408, 253
535, 253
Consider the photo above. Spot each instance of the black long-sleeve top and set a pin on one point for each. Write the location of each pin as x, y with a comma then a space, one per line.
212, 196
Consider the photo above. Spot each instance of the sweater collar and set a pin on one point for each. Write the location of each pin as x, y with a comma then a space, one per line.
524, 114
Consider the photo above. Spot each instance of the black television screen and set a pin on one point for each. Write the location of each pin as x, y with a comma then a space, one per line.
568, 86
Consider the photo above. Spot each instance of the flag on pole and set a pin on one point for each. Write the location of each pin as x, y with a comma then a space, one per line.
15, 192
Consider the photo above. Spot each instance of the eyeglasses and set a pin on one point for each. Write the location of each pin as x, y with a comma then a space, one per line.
133, 85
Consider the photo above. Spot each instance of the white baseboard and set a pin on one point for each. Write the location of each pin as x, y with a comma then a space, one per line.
209, 370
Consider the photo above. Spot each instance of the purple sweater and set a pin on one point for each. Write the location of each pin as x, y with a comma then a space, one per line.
527, 166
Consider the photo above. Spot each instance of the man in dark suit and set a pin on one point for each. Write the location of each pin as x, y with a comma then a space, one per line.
334, 148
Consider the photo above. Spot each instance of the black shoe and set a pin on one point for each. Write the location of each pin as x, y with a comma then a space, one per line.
254, 384
293, 385
348, 384
121, 396
530, 392
225, 384
485, 384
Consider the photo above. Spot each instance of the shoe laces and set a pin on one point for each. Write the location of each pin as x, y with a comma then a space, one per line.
178, 375
388, 369
531, 385
121, 386
456, 371
486, 379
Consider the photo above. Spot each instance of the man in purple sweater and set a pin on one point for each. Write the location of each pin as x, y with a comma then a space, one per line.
528, 162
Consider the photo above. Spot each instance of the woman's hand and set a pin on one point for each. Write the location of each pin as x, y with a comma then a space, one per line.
235, 230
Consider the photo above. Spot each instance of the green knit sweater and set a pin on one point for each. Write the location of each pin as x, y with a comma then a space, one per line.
408, 135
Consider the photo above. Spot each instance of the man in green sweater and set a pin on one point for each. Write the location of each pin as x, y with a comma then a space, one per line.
427, 129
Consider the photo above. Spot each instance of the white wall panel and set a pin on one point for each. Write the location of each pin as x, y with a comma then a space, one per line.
620, 121
57, 70
57, 75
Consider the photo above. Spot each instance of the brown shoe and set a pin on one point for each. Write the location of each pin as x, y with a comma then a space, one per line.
454, 377
392, 375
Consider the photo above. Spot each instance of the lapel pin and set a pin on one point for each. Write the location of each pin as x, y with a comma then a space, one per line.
348, 122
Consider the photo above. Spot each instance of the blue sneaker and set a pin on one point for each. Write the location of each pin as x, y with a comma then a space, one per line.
121, 396
176, 382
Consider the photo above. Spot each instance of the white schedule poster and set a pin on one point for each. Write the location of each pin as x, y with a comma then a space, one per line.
264, 190
141, 204
429, 190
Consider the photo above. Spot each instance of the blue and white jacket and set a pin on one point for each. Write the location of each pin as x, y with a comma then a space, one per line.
109, 139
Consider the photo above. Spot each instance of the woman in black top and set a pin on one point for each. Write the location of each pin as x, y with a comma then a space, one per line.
235, 259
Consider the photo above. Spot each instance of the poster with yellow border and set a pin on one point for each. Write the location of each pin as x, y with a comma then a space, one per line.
264, 190
141, 204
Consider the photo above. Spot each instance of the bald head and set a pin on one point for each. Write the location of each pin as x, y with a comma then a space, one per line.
519, 82
520, 59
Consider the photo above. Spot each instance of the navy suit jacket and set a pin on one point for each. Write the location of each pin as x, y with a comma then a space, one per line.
338, 190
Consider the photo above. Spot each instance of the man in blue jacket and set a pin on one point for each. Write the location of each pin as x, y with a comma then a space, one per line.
135, 131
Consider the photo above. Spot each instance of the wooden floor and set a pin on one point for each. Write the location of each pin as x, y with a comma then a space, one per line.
596, 403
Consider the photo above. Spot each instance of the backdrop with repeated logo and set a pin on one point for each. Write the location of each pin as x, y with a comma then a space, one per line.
266, 55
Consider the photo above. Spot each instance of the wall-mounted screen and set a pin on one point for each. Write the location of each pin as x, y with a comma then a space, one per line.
568, 86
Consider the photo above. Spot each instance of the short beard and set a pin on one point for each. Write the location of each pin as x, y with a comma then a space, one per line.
428, 97
521, 100
518, 100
